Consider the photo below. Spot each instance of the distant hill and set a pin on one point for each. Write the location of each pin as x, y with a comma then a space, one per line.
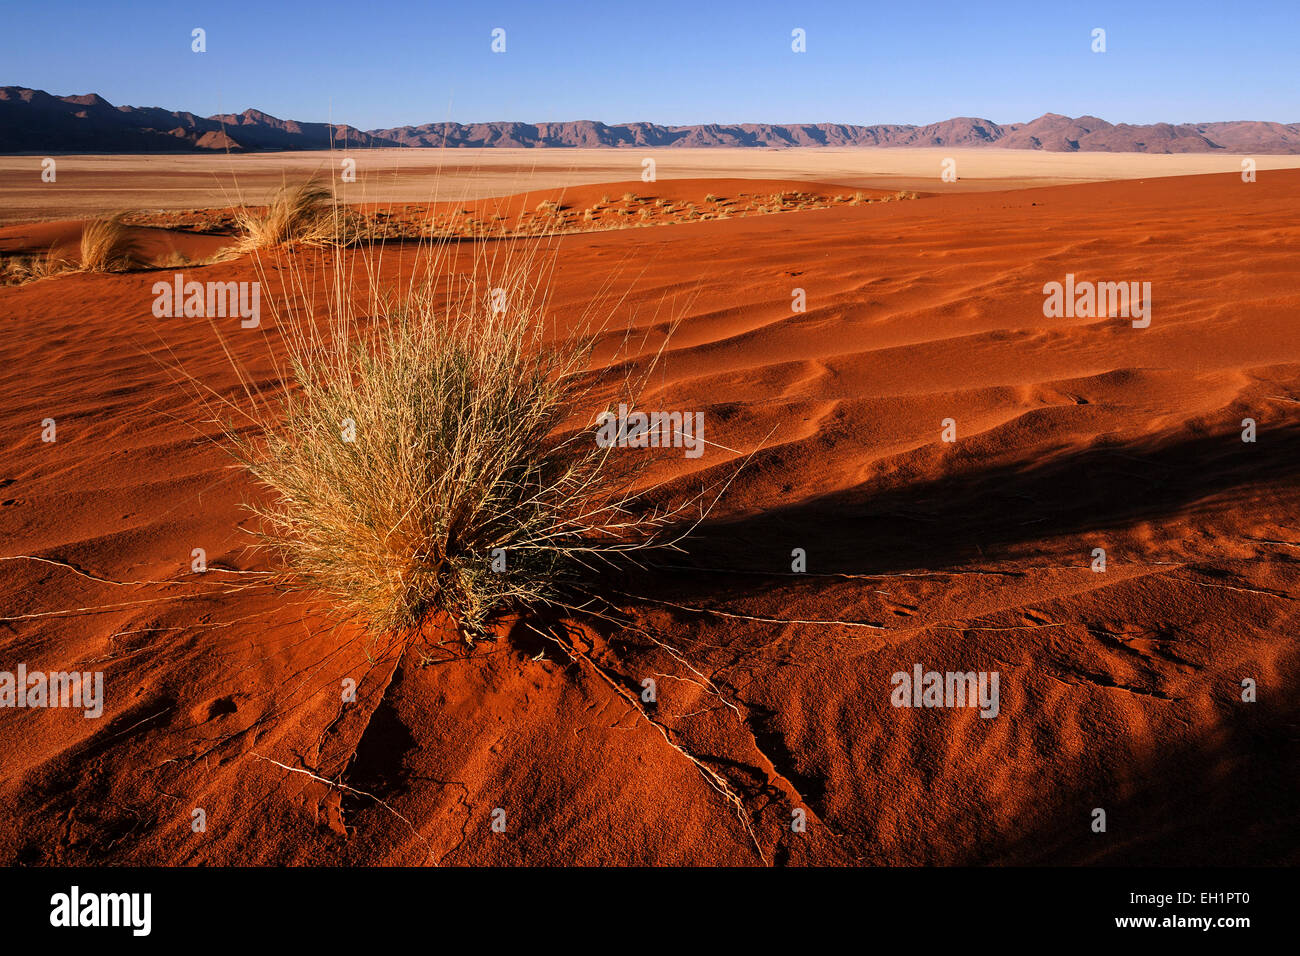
33, 121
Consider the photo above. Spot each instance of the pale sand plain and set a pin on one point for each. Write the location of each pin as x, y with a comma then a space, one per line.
92, 184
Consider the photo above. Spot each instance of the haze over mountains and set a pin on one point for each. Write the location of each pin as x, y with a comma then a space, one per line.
35, 121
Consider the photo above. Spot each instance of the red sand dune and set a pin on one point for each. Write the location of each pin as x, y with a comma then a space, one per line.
1119, 690
64, 238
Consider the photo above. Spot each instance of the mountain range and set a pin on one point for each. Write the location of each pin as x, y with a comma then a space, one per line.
33, 121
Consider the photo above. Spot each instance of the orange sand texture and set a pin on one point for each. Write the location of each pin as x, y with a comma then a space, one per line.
1119, 690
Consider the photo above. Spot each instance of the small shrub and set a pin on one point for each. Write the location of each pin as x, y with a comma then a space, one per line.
467, 448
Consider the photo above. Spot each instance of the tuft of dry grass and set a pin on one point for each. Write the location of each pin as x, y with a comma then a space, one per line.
436, 458
108, 246
304, 213
15, 270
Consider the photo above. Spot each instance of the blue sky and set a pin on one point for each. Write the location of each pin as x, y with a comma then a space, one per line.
376, 64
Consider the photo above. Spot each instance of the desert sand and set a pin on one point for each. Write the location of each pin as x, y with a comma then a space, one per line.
89, 184
1119, 689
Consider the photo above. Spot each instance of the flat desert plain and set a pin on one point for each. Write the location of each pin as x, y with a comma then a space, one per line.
89, 185
1121, 684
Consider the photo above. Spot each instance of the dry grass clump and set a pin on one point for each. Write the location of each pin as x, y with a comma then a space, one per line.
304, 213
436, 459
15, 270
108, 246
